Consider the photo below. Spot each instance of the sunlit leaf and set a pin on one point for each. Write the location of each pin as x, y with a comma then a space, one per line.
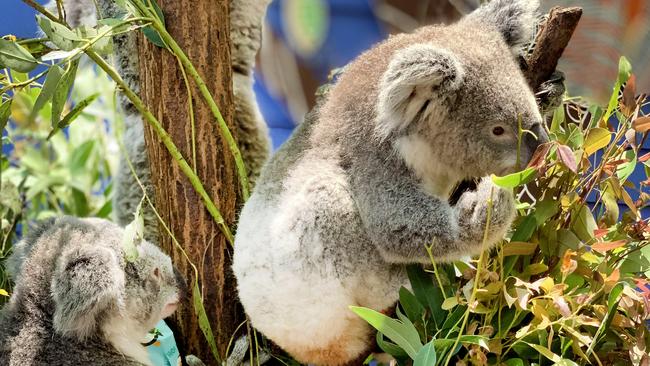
515, 179
597, 138
624, 170
74, 113
565, 155
3, 292
604, 247
641, 124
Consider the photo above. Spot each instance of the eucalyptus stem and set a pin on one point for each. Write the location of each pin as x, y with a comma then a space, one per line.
167, 141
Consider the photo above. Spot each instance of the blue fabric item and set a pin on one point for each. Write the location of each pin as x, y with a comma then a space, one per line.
162, 348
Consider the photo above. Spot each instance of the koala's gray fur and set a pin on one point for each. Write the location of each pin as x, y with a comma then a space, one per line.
246, 32
77, 301
362, 185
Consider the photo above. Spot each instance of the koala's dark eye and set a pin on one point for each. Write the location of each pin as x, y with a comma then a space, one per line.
498, 131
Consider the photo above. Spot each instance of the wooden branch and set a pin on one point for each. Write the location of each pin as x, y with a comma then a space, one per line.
551, 40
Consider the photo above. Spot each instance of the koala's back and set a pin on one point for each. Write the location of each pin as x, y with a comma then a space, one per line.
28, 336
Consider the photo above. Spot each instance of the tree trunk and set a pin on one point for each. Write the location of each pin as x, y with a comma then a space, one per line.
201, 28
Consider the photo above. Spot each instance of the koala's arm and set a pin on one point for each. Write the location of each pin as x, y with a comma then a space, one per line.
401, 219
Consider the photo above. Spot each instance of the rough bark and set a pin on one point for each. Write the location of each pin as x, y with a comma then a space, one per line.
201, 27
551, 40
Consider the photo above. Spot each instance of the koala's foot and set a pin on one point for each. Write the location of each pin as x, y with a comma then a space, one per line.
192, 360
240, 352
472, 210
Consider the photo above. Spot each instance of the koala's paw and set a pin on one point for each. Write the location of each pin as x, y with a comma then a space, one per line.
550, 94
472, 210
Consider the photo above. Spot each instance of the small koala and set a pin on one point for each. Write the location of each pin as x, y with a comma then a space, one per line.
78, 301
362, 186
246, 17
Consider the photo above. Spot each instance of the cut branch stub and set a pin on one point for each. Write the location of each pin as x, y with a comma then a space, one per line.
553, 37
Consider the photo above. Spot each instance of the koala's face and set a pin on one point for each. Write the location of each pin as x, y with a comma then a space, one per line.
454, 101
152, 288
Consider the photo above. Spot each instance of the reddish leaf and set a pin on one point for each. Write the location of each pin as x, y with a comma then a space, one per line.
629, 93
599, 233
641, 124
645, 157
606, 246
566, 156
537, 161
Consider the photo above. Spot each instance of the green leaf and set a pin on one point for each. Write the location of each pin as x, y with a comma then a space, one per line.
10, 197
59, 34
204, 323
565, 362
73, 114
410, 304
514, 362
427, 293
624, 70
443, 344
558, 118
623, 171
612, 304
133, 235
404, 335
515, 179
426, 356
62, 91
545, 352
47, 91
149, 32
79, 157
390, 348
5, 112
16, 57
584, 224
597, 138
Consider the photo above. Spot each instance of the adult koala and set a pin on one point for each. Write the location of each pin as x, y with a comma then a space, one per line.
246, 33
78, 301
362, 186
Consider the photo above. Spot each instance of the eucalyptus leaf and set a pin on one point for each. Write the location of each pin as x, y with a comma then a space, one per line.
204, 322
515, 179
73, 114
54, 74
62, 91
149, 31
426, 355
62, 37
5, 112
404, 335
16, 57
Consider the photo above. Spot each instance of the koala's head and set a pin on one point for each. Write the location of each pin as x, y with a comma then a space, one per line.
97, 292
453, 98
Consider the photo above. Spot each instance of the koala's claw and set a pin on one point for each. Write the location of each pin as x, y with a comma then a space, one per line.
472, 210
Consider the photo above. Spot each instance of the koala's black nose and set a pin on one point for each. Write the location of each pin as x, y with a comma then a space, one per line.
532, 141
183, 291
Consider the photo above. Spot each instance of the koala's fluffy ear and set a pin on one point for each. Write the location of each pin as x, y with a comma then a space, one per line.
514, 19
417, 80
88, 284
